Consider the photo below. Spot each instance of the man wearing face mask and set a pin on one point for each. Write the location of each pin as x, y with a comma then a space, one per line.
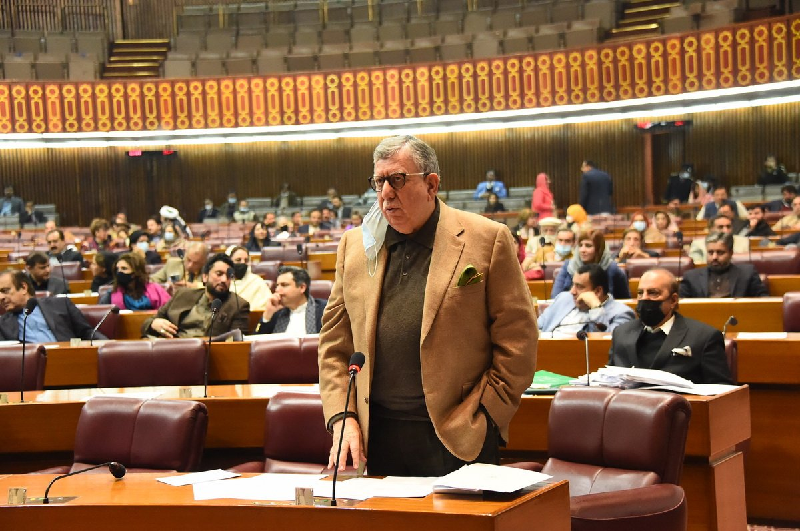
188, 313
208, 212
140, 244
585, 304
244, 214
536, 253
721, 278
247, 284
227, 208
663, 339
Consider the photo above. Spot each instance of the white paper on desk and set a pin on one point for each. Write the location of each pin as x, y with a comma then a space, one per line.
696, 389
197, 477
273, 487
11, 343
480, 477
762, 335
142, 395
389, 487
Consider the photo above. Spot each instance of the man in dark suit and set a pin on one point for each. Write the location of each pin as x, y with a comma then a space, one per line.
188, 313
596, 189
59, 248
292, 309
315, 224
721, 278
663, 339
37, 266
53, 319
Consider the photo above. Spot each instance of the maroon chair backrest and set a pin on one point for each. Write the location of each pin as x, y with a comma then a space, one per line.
283, 360
267, 269
95, 312
636, 267
148, 435
551, 269
153, 268
605, 439
279, 254
295, 438
321, 289
784, 262
68, 270
11, 367
731, 356
149, 363
791, 311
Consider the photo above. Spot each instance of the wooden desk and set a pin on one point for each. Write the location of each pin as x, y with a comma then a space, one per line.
713, 472
772, 465
138, 502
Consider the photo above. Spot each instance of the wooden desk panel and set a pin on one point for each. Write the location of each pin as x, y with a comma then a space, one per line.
138, 502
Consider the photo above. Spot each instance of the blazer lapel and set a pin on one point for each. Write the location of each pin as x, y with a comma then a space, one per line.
674, 339
372, 298
44, 308
735, 277
444, 260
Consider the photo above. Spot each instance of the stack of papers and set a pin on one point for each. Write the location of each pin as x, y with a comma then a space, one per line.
477, 478
636, 378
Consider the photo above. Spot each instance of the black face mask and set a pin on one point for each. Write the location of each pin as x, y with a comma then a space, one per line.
239, 270
123, 279
649, 311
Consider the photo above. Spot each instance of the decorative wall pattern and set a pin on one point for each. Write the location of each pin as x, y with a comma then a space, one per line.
742, 55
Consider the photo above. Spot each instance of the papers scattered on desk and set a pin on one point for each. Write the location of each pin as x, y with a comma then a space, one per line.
632, 377
696, 389
365, 488
197, 477
476, 478
272, 487
142, 395
762, 335
11, 343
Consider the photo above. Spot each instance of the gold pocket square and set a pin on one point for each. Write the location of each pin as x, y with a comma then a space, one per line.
469, 276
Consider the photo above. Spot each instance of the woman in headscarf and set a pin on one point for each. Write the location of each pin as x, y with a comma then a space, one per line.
247, 284
543, 202
591, 249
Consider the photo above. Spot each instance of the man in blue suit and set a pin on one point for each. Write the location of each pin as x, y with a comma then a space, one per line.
596, 190
587, 301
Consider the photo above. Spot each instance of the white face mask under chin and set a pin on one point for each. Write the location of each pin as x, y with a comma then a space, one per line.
373, 230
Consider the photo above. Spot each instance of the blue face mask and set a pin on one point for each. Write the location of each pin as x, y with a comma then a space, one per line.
639, 225
563, 250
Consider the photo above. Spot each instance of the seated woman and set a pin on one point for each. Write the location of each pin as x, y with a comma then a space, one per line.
650, 234
664, 223
132, 287
100, 240
591, 249
259, 237
102, 267
171, 238
527, 225
493, 204
140, 244
632, 246
247, 284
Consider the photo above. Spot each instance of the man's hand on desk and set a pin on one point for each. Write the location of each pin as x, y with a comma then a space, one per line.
163, 327
351, 444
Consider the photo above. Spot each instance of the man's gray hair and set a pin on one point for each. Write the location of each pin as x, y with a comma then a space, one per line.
716, 237
424, 156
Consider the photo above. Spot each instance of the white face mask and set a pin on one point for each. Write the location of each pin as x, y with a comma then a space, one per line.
144, 246
373, 234
639, 225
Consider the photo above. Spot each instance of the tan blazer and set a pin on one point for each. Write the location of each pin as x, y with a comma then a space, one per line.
478, 342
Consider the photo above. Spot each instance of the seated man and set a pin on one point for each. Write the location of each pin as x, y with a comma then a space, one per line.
663, 339
292, 309
586, 304
59, 250
53, 319
490, 186
548, 228
562, 250
314, 225
37, 265
188, 313
697, 250
184, 273
721, 278
757, 226
632, 246
710, 209
784, 204
790, 221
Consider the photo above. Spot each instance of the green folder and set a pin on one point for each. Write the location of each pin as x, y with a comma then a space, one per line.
546, 382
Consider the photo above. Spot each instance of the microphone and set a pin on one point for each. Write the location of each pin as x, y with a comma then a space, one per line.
111, 310
356, 363
60, 259
116, 469
679, 237
733, 321
542, 243
302, 251
215, 306
29, 307
583, 335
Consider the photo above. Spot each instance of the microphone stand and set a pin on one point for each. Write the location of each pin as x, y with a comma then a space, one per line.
733, 321
103, 320
679, 237
543, 266
214, 309
583, 335
354, 369
60, 259
29, 307
117, 469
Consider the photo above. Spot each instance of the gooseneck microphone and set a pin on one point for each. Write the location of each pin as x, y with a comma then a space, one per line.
356, 363
116, 469
679, 237
215, 306
29, 307
60, 259
181, 254
733, 321
542, 242
111, 310
583, 335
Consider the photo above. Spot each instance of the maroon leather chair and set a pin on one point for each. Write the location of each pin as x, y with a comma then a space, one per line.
551, 270
178, 361
732, 355
95, 312
68, 270
622, 452
267, 269
284, 253
284, 360
791, 311
321, 289
785, 262
11, 367
636, 267
143, 435
295, 438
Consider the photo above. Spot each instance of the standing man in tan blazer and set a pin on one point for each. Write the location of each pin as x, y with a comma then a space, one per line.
435, 299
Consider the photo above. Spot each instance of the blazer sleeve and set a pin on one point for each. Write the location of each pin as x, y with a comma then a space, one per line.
80, 326
756, 288
685, 290
562, 282
320, 309
584, 193
620, 287
267, 327
160, 314
160, 276
714, 364
242, 317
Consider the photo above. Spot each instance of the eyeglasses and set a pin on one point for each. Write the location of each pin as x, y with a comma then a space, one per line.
395, 180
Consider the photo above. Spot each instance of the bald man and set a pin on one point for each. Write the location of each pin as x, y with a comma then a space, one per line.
186, 272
